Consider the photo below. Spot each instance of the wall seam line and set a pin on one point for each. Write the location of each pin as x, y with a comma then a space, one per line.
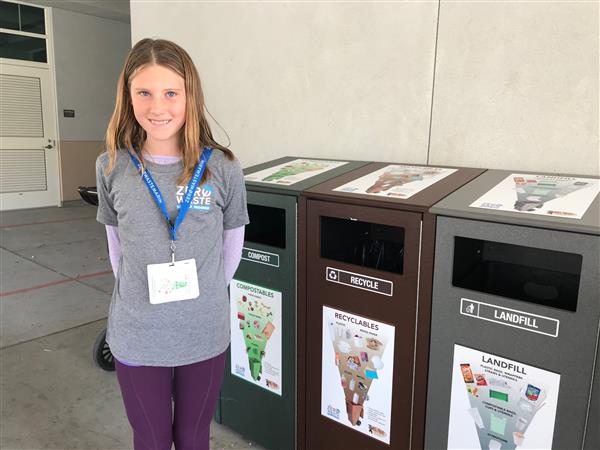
437, 30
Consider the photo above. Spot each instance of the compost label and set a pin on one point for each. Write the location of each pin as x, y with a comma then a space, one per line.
260, 257
498, 403
358, 368
256, 334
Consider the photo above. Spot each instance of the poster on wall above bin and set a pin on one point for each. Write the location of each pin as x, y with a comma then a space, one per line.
294, 171
358, 368
546, 195
498, 403
256, 334
397, 181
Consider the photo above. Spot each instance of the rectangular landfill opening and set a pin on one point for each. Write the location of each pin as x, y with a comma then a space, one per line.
363, 244
267, 225
535, 275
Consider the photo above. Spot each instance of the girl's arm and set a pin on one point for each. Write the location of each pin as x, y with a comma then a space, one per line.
233, 241
114, 247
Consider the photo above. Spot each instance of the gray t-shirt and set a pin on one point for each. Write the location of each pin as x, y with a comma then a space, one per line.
181, 332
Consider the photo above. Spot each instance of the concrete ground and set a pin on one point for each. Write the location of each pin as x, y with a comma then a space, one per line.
55, 291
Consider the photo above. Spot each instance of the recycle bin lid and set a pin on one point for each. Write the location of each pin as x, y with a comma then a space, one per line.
302, 173
520, 197
414, 187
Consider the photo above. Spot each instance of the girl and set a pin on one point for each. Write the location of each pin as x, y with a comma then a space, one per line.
174, 204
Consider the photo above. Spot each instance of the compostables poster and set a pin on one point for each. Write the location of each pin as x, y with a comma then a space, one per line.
541, 194
358, 368
293, 172
397, 181
256, 334
498, 403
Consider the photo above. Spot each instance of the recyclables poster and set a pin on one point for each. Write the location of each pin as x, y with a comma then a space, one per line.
546, 195
498, 403
396, 181
256, 334
358, 368
293, 172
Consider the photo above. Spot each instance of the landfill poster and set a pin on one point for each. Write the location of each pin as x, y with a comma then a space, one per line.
256, 334
358, 368
545, 195
293, 171
498, 403
396, 181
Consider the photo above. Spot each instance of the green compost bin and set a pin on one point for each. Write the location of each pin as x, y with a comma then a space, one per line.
259, 394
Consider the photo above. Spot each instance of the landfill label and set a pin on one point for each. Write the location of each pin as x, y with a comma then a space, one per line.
396, 181
510, 317
498, 403
256, 334
546, 195
293, 171
357, 373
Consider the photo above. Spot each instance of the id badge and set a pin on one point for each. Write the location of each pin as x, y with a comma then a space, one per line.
171, 282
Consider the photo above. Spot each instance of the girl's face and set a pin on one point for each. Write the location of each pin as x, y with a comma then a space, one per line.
158, 100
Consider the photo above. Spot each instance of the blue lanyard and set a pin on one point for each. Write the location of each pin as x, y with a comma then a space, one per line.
187, 199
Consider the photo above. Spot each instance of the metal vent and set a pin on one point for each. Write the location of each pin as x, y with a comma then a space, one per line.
20, 107
22, 171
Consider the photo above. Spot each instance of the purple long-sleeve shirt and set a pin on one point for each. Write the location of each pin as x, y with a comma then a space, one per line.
233, 240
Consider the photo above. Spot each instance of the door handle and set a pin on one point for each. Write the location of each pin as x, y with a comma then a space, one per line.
49, 146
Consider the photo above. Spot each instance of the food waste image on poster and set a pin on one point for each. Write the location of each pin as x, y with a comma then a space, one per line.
358, 368
256, 334
397, 181
546, 195
498, 403
294, 171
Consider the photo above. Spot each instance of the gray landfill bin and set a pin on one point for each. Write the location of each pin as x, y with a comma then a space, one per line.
516, 314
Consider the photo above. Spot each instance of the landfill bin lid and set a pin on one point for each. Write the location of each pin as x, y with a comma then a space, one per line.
300, 174
414, 187
557, 201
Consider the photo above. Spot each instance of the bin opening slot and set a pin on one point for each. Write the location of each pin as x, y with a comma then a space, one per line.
267, 225
363, 244
535, 275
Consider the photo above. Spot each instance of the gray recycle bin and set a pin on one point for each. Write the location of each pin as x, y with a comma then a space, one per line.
516, 314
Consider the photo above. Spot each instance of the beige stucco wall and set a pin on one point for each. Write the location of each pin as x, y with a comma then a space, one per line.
516, 83
77, 165
349, 80
517, 86
89, 53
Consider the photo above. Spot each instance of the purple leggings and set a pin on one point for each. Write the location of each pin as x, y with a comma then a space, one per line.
147, 393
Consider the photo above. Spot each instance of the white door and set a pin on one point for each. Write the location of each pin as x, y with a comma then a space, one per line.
29, 162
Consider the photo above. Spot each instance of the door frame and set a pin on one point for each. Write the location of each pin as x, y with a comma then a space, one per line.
52, 89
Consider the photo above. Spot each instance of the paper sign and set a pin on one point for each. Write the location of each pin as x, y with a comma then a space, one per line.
498, 403
546, 195
396, 181
256, 334
358, 368
294, 171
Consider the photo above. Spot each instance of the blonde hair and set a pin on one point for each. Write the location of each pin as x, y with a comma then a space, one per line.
124, 132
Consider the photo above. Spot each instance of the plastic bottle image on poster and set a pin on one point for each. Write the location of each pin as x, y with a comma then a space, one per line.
498, 403
358, 368
256, 334
398, 181
293, 172
546, 195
